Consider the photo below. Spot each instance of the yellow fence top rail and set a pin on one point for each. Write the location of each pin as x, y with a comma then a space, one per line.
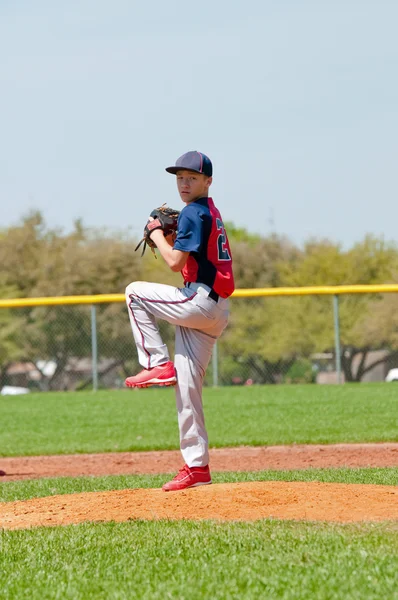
329, 290
324, 290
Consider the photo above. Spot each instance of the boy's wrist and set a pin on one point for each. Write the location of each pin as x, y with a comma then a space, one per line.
156, 235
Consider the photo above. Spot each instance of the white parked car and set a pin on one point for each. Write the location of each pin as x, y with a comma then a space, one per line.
12, 390
392, 375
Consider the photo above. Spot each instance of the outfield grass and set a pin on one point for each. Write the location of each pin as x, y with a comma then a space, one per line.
186, 560
37, 488
161, 559
61, 423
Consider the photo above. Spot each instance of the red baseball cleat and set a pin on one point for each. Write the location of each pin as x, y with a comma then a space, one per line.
162, 375
188, 477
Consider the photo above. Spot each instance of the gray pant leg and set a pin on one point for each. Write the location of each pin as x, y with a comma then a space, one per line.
147, 302
192, 355
150, 347
199, 322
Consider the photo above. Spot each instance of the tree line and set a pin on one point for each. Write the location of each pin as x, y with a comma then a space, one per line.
266, 336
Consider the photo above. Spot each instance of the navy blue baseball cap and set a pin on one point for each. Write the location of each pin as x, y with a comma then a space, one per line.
193, 161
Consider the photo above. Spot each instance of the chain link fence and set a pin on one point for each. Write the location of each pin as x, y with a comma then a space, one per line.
314, 338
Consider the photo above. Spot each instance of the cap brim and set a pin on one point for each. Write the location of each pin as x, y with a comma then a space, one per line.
174, 170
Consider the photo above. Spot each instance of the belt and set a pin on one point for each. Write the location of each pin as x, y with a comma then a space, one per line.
212, 294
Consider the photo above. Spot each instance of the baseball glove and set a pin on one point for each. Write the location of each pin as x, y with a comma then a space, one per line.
164, 218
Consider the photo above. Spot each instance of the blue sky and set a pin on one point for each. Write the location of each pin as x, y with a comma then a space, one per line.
296, 103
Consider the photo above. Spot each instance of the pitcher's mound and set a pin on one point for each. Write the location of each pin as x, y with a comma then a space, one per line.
235, 501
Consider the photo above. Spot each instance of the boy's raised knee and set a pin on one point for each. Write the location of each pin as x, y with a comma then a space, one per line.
132, 288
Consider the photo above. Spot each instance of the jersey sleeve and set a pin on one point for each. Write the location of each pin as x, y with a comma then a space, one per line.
189, 233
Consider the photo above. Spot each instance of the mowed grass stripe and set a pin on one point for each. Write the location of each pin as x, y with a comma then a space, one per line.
125, 420
162, 559
36, 488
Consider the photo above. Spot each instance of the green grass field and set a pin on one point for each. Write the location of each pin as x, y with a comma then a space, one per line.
164, 559
187, 560
111, 421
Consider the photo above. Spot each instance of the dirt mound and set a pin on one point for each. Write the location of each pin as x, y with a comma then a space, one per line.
222, 459
238, 501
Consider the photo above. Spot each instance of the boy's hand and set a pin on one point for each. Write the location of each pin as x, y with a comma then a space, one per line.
163, 218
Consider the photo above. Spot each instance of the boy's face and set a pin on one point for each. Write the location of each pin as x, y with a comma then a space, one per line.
192, 186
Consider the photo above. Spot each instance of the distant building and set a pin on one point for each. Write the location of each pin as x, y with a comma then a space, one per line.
326, 367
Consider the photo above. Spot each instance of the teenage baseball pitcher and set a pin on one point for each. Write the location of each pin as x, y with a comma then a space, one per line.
200, 251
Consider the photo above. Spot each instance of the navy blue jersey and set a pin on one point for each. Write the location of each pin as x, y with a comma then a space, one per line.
201, 233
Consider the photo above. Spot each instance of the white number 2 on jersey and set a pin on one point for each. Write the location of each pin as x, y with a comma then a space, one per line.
223, 253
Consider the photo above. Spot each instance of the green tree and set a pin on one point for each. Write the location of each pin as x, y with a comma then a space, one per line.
372, 261
269, 335
10, 328
38, 261
266, 336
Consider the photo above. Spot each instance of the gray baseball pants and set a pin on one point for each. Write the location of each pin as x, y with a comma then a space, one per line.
199, 322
